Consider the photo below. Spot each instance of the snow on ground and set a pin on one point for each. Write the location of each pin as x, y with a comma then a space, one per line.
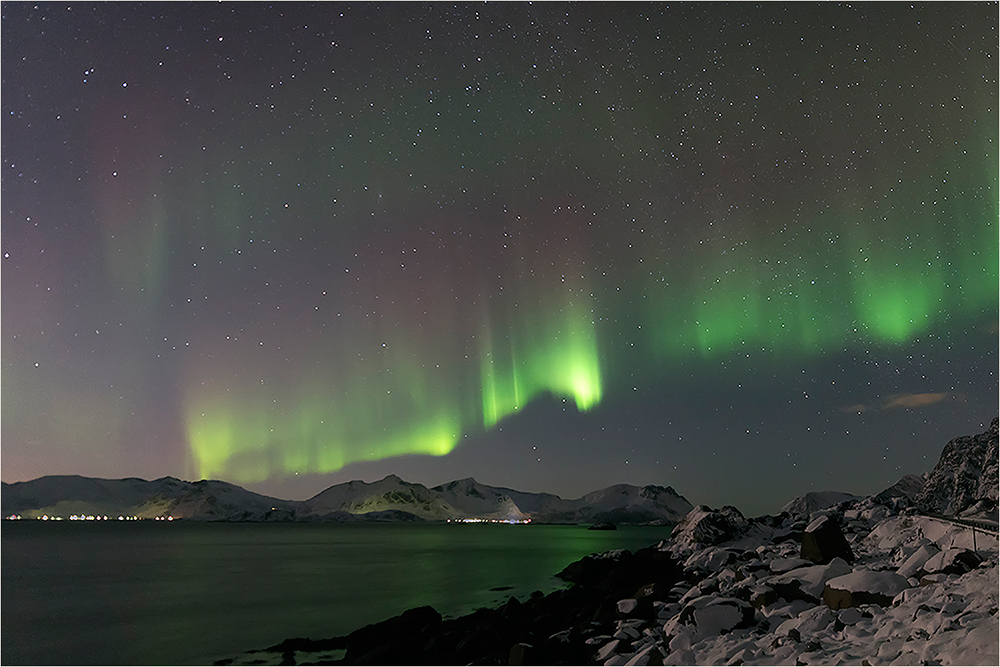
942, 617
951, 623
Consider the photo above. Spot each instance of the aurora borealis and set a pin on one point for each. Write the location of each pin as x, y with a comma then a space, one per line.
746, 251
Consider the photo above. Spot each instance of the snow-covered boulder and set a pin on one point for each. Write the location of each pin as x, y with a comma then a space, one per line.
807, 583
705, 527
712, 559
807, 624
952, 561
709, 616
915, 563
781, 565
863, 587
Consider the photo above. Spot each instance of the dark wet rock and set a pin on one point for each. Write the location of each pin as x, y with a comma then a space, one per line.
552, 629
392, 640
603, 525
823, 540
763, 596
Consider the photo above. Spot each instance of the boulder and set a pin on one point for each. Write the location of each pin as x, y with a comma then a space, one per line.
849, 616
603, 525
952, 561
806, 583
914, 565
607, 650
863, 587
931, 579
806, 624
712, 559
823, 541
762, 596
519, 654
709, 616
705, 527
781, 565
627, 606
650, 655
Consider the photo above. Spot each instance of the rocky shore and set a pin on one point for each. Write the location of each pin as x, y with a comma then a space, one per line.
549, 629
855, 583
835, 580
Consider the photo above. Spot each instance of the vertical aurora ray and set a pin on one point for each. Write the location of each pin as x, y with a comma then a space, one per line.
397, 384
560, 356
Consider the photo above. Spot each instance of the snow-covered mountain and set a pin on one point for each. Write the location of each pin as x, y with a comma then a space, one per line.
467, 498
965, 477
906, 489
387, 494
624, 503
816, 500
388, 499
207, 500
964, 482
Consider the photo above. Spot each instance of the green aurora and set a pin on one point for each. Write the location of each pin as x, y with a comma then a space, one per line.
239, 248
847, 291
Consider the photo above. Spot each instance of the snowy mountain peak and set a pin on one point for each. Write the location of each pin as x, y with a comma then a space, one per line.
965, 477
815, 501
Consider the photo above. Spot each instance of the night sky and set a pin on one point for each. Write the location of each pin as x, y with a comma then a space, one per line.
745, 251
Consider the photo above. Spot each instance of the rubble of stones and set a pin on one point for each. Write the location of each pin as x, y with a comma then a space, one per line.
858, 583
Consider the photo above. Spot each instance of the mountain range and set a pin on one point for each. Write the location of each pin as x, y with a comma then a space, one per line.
388, 499
964, 481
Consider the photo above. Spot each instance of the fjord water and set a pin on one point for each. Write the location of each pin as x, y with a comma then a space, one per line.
190, 593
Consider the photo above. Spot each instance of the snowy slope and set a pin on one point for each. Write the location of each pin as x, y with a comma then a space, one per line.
467, 498
204, 500
388, 494
473, 498
816, 500
627, 504
917, 594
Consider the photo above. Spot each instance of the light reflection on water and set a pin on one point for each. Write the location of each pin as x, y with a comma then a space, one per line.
189, 593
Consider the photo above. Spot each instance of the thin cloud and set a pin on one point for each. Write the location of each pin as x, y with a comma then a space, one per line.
912, 400
859, 408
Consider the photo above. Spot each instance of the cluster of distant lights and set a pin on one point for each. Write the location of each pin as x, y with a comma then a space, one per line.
479, 520
89, 517
99, 517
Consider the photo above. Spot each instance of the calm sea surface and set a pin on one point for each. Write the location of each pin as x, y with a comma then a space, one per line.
190, 593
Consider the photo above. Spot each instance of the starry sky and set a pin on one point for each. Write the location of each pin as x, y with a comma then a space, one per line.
745, 251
